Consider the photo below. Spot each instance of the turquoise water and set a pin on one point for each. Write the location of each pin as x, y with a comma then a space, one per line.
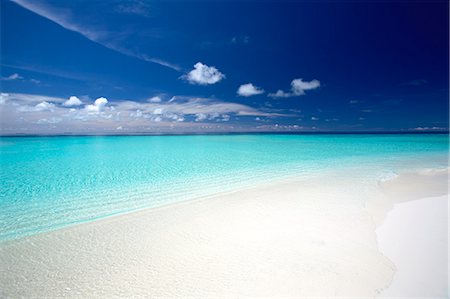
50, 182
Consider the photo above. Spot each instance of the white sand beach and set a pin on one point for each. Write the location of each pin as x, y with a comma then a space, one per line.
299, 238
415, 237
415, 234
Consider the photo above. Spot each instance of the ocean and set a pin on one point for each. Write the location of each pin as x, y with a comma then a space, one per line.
50, 182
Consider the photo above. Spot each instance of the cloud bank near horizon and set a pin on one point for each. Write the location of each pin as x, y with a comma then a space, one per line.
28, 114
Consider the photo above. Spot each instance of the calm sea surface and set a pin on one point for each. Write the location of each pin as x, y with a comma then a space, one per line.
50, 182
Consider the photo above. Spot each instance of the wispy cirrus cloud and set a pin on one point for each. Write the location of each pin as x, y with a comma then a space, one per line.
12, 77
17, 77
66, 19
60, 16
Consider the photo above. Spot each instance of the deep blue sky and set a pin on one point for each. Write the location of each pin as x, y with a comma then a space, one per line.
381, 65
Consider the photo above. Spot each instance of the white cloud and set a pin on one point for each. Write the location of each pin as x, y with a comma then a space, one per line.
298, 87
429, 129
155, 99
158, 111
162, 62
247, 90
280, 94
200, 117
137, 114
314, 118
3, 97
59, 16
98, 105
12, 77
72, 101
44, 106
203, 75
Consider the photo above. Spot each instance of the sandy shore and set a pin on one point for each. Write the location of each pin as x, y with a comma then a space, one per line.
298, 238
415, 237
415, 234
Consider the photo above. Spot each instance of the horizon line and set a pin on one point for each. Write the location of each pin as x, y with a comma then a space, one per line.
234, 133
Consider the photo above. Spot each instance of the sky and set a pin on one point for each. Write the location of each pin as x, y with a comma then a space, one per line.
124, 67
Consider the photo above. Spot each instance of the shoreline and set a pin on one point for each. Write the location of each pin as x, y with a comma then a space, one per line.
284, 239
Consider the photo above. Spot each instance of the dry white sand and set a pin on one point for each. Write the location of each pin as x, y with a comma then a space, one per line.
415, 234
299, 238
415, 237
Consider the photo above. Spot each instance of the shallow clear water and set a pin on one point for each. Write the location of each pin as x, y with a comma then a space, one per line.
49, 182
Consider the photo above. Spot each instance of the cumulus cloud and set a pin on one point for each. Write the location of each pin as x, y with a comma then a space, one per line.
203, 75
298, 87
43, 107
98, 105
155, 99
247, 90
72, 101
